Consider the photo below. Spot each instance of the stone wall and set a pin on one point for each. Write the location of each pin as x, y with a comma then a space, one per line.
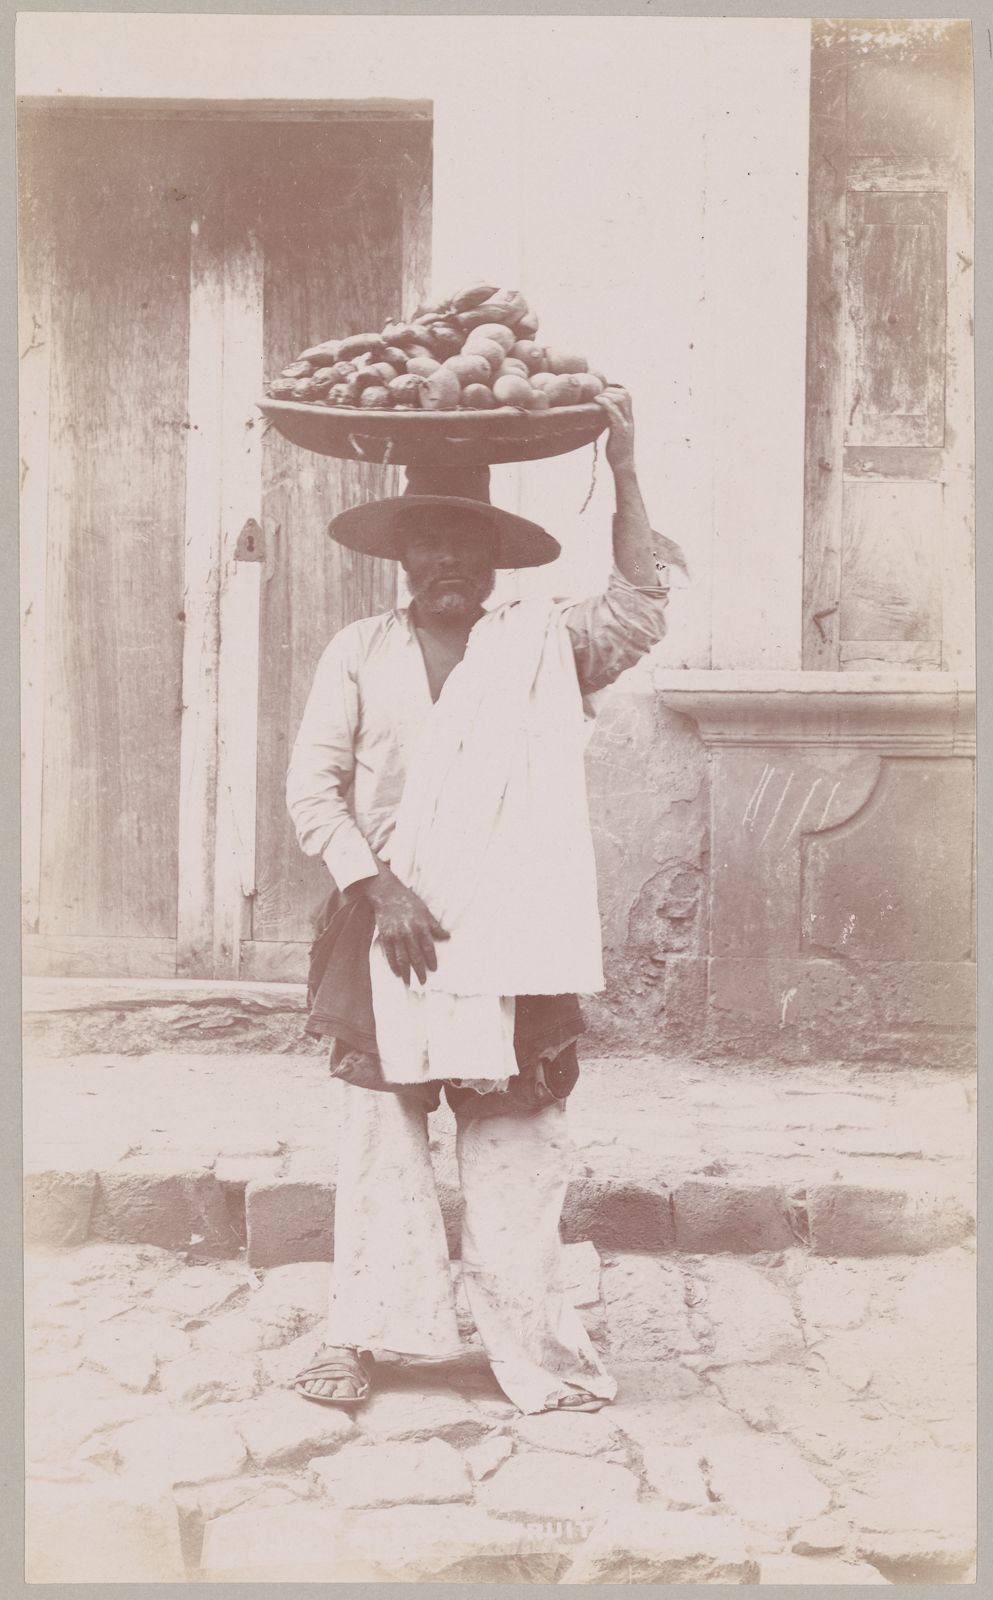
786, 866
649, 787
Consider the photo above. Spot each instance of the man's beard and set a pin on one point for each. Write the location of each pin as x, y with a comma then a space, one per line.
434, 598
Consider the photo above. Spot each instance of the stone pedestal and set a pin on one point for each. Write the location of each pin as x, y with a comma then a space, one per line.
794, 874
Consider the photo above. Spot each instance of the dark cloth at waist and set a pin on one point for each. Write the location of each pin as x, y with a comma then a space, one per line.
339, 994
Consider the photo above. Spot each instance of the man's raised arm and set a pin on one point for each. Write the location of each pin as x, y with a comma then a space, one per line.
615, 629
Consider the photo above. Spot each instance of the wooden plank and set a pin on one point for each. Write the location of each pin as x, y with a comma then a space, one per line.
120, 230
312, 586
907, 400
34, 374
413, 178
891, 574
201, 625
874, 655
825, 344
908, 83
275, 960
959, 506
68, 955
85, 993
238, 659
414, 187
881, 173
895, 329
893, 461
172, 110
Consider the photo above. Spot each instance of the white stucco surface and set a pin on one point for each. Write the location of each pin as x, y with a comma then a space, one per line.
644, 181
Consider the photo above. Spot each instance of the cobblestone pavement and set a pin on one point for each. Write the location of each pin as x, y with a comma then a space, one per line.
782, 1418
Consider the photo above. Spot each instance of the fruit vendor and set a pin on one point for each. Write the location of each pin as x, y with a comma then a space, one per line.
438, 771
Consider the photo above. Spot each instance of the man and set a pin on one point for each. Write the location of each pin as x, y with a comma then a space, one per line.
463, 923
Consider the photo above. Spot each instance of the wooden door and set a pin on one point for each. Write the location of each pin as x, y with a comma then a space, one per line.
178, 582
888, 580
105, 284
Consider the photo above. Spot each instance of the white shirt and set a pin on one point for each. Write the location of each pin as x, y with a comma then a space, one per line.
368, 702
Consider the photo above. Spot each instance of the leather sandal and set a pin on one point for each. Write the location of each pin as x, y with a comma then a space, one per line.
333, 1363
579, 1400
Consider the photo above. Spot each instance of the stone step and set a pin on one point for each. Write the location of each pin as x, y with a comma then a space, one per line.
231, 1153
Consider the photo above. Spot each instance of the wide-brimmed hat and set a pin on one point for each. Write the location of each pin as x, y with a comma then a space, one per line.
378, 527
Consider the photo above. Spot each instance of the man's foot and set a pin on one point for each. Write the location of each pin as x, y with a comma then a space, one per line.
579, 1400
339, 1376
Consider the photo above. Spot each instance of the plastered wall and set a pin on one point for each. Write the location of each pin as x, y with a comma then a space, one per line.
644, 182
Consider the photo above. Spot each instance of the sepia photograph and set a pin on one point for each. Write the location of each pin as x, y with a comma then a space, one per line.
497, 522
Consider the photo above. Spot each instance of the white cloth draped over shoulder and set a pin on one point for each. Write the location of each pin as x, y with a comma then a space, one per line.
493, 833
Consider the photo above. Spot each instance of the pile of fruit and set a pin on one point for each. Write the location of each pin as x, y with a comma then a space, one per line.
473, 352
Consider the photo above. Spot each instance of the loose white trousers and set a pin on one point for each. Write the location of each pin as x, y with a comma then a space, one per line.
391, 1288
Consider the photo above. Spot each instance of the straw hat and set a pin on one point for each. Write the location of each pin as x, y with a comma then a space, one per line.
378, 527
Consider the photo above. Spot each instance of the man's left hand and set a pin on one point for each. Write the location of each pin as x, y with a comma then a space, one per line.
620, 437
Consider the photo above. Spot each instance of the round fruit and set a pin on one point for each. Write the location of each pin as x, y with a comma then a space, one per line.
565, 391
516, 301
441, 391
469, 368
495, 331
564, 361
383, 371
401, 333
478, 396
589, 386
530, 353
507, 306
513, 391
423, 366
407, 389
444, 341
494, 353
475, 350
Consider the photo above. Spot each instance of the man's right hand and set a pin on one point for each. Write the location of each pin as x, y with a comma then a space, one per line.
407, 930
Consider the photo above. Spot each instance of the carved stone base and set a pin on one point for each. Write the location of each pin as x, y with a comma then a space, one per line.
795, 877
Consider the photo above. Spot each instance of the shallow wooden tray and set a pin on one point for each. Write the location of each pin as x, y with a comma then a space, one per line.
403, 437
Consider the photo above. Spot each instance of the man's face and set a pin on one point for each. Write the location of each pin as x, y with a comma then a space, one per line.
450, 568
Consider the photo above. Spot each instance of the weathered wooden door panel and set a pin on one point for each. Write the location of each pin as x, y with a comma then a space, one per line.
112, 214
890, 445
895, 366
891, 561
